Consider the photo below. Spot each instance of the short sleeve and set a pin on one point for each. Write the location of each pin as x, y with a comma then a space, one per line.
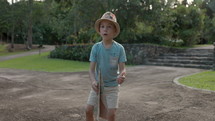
122, 57
93, 54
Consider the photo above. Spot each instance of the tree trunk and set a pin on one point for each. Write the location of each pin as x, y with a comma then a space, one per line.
1, 38
8, 34
29, 39
12, 34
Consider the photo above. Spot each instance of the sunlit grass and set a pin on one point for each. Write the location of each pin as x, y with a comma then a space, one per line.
202, 45
5, 52
204, 80
43, 63
2, 49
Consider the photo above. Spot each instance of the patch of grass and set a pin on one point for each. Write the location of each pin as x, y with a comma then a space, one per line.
4, 51
202, 45
43, 63
2, 47
193, 46
203, 80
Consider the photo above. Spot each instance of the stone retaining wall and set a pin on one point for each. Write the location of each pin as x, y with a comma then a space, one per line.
139, 53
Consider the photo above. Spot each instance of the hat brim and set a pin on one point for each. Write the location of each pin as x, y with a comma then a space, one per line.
116, 25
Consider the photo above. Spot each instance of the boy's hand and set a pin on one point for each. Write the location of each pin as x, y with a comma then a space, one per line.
121, 78
95, 86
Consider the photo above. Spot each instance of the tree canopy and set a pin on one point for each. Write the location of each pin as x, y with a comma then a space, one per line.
141, 21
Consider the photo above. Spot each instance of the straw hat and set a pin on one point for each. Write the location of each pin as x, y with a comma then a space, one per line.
110, 17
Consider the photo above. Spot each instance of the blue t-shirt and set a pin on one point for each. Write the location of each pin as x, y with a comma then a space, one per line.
107, 61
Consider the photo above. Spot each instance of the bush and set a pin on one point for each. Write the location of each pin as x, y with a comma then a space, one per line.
188, 24
208, 34
77, 53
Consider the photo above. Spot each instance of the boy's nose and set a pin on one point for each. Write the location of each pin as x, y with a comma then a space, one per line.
105, 28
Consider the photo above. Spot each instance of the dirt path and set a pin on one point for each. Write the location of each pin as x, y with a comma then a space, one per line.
149, 94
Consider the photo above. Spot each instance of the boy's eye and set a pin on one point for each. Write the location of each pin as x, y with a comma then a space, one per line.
103, 26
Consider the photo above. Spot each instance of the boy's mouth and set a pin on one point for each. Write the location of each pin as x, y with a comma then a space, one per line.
105, 34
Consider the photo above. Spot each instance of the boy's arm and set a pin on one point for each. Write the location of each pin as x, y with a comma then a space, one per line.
122, 72
92, 76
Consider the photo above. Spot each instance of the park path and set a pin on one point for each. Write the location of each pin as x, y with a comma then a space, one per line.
46, 48
149, 94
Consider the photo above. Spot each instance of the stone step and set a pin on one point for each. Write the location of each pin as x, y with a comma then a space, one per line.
191, 58
199, 51
182, 65
194, 51
189, 54
203, 62
185, 58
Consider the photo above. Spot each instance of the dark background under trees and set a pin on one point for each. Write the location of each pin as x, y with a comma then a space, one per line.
60, 22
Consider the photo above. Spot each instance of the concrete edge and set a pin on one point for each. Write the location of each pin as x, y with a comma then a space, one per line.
177, 83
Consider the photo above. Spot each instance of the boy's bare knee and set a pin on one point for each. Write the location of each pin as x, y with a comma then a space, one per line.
111, 112
89, 113
89, 110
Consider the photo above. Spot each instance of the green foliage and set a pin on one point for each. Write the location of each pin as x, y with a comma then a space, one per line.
78, 53
189, 24
4, 17
72, 21
208, 33
163, 26
211, 5
130, 59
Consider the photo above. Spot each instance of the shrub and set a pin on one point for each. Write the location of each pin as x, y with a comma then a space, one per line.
188, 24
77, 53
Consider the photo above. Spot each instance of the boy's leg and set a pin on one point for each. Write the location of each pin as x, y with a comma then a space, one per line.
112, 98
91, 102
111, 115
89, 113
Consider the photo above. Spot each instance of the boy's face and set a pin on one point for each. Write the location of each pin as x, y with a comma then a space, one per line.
107, 30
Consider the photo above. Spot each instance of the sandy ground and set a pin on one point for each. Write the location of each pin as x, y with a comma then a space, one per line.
149, 94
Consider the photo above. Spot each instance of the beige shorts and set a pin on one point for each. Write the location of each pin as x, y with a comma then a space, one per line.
110, 97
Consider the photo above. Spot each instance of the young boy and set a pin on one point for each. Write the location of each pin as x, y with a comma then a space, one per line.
109, 58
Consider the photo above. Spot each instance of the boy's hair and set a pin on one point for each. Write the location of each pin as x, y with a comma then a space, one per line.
109, 17
110, 23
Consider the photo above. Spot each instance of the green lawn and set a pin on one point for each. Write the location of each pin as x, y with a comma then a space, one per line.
2, 47
203, 80
4, 51
202, 45
43, 63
